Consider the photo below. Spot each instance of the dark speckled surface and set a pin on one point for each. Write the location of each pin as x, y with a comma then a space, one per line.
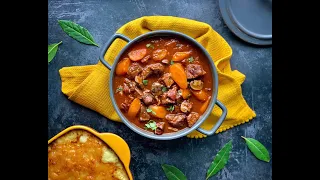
192, 156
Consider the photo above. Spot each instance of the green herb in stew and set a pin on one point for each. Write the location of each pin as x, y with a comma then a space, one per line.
145, 82
171, 62
151, 125
150, 46
171, 108
119, 89
164, 89
150, 110
191, 59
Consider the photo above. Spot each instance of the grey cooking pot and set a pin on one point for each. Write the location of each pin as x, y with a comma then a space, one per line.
184, 132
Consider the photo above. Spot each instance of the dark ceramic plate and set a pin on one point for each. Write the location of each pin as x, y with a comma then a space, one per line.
250, 20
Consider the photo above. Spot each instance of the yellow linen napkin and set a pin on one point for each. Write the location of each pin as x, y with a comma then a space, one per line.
88, 85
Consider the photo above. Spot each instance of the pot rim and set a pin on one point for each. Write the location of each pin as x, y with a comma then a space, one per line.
203, 117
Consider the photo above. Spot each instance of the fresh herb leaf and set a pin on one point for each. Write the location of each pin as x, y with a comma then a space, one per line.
119, 89
145, 82
173, 173
220, 160
150, 46
151, 125
77, 32
150, 110
190, 59
171, 108
52, 50
171, 62
257, 149
164, 89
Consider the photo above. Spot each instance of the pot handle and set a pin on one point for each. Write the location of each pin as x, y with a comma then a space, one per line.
107, 45
218, 124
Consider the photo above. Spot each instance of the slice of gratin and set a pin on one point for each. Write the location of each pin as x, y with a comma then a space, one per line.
81, 155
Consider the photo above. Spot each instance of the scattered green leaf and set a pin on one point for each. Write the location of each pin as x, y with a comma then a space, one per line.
173, 173
164, 89
119, 89
220, 160
150, 110
77, 32
190, 59
171, 62
257, 149
150, 46
145, 82
151, 125
171, 108
52, 50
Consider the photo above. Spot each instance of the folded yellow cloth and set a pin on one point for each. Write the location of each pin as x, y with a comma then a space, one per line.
88, 85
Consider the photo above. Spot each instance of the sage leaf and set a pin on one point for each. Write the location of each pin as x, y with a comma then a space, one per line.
77, 32
220, 160
257, 149
52, 50
173, 173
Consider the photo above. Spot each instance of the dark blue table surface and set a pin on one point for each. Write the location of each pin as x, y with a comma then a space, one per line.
192, 156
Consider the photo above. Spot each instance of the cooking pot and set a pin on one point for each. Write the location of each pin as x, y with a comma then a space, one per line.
203, 117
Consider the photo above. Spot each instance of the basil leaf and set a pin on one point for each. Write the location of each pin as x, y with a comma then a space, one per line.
173, 173
257, 149
52, 50
220, 160
77, 32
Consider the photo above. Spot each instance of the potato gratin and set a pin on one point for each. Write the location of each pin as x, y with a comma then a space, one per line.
81, 155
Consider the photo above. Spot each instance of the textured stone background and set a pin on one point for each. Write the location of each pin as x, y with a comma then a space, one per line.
192, 156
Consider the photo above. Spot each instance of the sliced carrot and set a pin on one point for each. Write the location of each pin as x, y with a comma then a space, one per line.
204, 106
159, 54
201, 95
178, 75
157, 111
179, 56
185, 93
138, 54
123, 66
134, 107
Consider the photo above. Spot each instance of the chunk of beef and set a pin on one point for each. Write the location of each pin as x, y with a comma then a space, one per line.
185, 106
168, 81
192, 118
145, 59
160, 128
125, 105
176, 120
194, 71
128, 86
148, 98
144, 116
156, 88
164, 99
173, 129
156, 68
138, 79
173, 93
172, 43
133, 70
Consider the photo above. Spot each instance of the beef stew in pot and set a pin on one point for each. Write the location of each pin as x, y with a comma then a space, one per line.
163, 84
